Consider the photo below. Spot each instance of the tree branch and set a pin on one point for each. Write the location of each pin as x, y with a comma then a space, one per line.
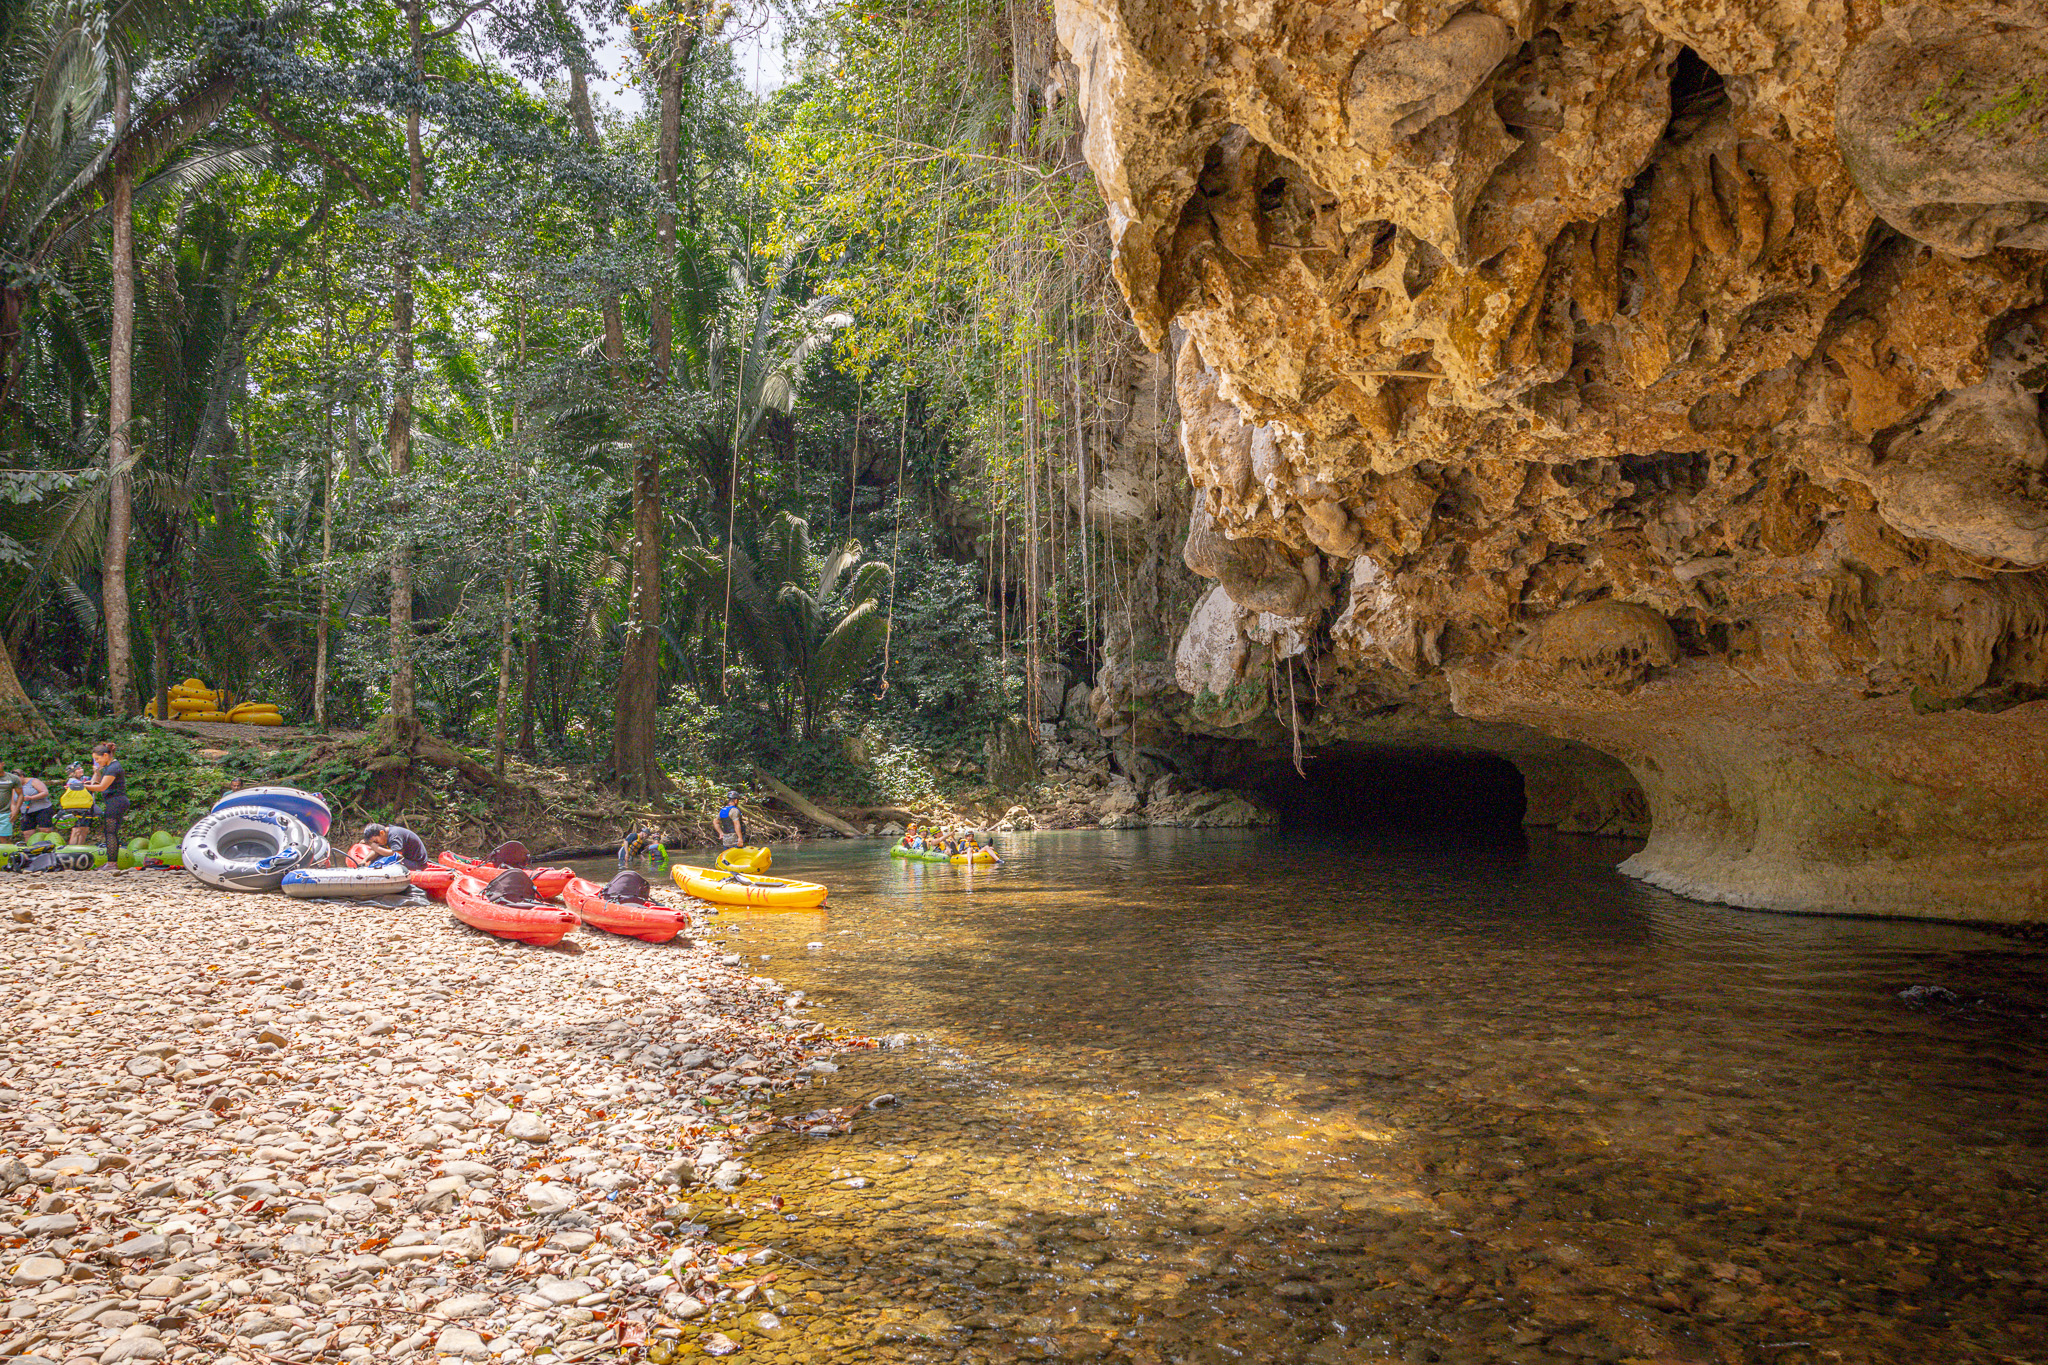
460, 20
326, 158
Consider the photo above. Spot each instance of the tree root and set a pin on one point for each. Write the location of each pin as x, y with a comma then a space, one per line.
392, 752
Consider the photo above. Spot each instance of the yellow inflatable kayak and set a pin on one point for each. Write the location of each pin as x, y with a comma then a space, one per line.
744, 859
747, 888
980, 855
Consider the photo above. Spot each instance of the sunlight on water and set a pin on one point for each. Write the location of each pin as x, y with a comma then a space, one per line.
1209, 1097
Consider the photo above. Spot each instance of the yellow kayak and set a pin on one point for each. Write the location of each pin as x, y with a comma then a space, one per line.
746, 888
744, 859
980, 855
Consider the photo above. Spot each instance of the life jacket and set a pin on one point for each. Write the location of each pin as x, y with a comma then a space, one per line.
75, 798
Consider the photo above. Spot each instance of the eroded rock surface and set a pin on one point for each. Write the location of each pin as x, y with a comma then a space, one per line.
1663, 376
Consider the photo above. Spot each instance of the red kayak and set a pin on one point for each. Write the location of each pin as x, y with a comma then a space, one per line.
435, 881
548, 881
528, 922
633, 919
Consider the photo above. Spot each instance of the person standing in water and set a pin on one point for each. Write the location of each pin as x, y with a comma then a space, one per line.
731, 825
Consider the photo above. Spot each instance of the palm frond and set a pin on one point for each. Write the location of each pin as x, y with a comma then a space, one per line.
871, 583
74, 536
83, 609
785, 549
845, 654
836, 564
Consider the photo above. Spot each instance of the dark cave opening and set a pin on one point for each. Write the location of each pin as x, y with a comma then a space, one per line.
1459, 794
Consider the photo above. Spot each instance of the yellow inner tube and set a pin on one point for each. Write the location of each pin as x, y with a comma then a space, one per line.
748, 889
980, 855
745, 859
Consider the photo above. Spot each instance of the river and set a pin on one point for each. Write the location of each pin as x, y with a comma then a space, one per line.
1207, 1097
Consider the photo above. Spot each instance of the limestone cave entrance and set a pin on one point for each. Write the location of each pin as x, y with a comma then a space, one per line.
1461, 794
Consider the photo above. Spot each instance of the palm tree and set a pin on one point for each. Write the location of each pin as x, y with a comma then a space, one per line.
65, 67
816, 630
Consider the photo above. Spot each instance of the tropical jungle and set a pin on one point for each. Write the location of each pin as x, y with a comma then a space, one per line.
565, 406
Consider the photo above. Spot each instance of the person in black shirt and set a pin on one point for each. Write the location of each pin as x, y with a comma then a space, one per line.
410, 848
110, 782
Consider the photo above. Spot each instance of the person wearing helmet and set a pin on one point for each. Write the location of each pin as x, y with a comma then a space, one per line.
731, 826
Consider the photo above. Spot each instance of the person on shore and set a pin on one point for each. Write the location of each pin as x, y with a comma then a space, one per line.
410, 848
110, 784
731, 825
29, 803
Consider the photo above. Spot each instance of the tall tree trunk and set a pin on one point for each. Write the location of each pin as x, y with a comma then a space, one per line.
633, 715
18, 715
511, 584
526, 702
120, 416
504, 673
321, 626
405, 723
608, 302
160, 639
324, 626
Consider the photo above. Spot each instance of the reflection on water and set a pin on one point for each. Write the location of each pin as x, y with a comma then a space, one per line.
1213, 1097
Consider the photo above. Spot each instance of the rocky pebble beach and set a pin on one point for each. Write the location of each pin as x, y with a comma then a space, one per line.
247, 1128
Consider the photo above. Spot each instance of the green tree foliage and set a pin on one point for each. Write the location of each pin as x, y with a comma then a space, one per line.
467, 400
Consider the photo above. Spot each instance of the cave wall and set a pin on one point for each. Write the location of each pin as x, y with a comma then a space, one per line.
1663, 376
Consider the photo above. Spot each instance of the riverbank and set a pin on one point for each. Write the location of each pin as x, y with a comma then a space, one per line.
239, 1127
177, 770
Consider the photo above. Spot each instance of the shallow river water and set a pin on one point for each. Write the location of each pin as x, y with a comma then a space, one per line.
1209, 1097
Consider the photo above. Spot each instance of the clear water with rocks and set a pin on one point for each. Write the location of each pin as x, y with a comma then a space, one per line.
1213, 1097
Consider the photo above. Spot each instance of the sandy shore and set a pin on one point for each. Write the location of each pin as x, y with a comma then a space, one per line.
239, 1127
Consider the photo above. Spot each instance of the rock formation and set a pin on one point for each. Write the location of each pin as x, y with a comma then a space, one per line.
1662, 376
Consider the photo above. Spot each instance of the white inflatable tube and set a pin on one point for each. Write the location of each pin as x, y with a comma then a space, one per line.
247, 848
347, 883
308, 808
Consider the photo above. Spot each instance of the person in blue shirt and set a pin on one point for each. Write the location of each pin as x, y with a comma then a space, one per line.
732, 827
410, 848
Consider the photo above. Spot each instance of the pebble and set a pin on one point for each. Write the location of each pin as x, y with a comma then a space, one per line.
528, 1127
242, 1127
460, 1341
